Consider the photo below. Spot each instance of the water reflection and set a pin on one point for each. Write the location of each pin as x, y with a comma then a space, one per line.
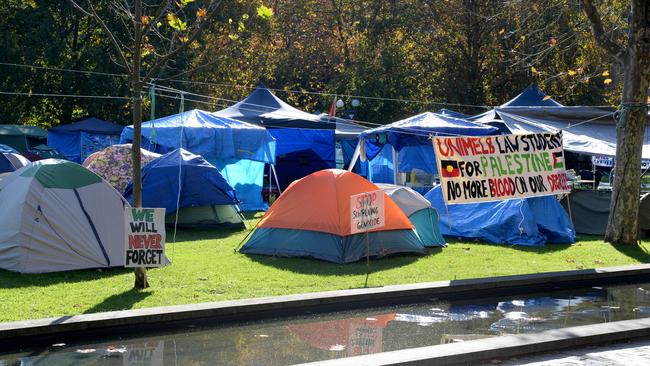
326, 336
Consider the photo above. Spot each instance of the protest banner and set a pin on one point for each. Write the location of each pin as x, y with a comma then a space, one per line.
366, 211
144, 243
495, 168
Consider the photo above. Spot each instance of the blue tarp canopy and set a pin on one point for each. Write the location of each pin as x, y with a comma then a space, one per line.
531, 221
410, 137
206, 134
201, 184
305, 142
262, 107
531, 96
238, 149
78, 140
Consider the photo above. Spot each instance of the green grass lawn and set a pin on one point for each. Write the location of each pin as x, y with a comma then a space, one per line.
206, 268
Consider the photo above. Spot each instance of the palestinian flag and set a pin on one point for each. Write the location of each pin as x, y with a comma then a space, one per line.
449, 169
558, 160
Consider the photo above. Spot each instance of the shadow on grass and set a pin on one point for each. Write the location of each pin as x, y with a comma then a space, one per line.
548, 248
188, 235
123, 301
17, 280
323, 268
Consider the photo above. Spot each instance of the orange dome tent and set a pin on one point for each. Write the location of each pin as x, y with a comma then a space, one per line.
312, 219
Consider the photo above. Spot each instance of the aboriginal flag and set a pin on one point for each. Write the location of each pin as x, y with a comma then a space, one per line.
449, 168
558, 160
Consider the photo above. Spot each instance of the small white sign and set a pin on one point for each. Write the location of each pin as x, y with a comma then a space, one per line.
366, 211
144, 243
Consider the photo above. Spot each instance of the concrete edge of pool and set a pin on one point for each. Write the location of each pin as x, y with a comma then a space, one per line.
502, 347
13, 334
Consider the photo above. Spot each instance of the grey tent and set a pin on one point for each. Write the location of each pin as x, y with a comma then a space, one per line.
418, 209
58, 216
644, 214
589, 210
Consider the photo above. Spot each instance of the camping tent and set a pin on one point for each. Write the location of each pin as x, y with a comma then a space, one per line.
205, 200
264, 108
419, 211
531, 96
238, 149
644, 214
10, 161
58, 216
22, 138
305, 143
531, 222
586, 130
114, 164
589, 210
312, 219
410, 138
78, 140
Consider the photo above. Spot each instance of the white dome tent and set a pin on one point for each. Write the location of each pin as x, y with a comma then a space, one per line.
58, 216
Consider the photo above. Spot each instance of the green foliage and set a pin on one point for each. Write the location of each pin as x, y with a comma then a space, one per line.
420, 55
264, 12
205, 268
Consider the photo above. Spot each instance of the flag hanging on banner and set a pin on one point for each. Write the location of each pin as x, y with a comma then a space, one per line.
494, 168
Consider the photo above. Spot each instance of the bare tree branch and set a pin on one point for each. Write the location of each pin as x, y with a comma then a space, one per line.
92, 13
608, 44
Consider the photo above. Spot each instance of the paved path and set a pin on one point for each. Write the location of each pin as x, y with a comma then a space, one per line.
635, 353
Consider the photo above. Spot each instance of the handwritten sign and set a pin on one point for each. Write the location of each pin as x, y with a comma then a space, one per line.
494, 168
144, 243
366, 211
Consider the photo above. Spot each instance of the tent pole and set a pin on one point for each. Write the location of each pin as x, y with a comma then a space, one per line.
394, 164
568, 204
355, 156
275, 175
270, 182
593, 174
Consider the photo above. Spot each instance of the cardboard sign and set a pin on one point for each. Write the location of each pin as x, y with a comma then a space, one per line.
144, 243
366, 211
495, 168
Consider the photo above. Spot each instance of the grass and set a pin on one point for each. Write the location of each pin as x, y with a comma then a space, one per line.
206, 268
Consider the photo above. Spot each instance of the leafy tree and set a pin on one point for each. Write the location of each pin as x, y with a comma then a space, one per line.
632, 53
146, 39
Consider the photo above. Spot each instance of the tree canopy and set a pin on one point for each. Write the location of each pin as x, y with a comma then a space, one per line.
398, 57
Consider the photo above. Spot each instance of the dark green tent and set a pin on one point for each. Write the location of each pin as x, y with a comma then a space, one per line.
22, 138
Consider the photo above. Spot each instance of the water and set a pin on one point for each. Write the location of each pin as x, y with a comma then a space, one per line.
342, 334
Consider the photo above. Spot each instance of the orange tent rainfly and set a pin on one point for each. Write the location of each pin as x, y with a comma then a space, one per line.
312, 219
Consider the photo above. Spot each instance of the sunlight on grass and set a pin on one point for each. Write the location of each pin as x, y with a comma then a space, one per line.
207, 268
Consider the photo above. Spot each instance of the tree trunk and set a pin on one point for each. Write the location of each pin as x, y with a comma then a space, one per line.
623, 223
136, 89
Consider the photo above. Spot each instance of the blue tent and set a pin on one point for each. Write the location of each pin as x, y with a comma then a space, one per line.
531, 222
238, 149
410, 137
264, 108
531, 96
305, 142
78, 140
205, 196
